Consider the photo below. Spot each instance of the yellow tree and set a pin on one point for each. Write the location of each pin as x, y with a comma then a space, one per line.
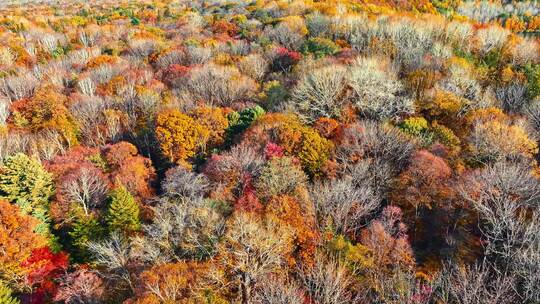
179, 136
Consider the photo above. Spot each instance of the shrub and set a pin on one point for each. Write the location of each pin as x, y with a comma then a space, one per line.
320, 47
284, 59
415, 126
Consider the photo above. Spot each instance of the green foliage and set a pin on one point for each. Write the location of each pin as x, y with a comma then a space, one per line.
274, 93
240, 121
84, 230
6, 296
532, 72
135, 21
320, 47
123, 213
24, 182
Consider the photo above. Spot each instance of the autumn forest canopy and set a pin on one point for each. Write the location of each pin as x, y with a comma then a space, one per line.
269, 152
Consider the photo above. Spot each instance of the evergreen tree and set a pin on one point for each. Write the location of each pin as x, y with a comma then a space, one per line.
5, 295
84, 230
24, 182
123, 213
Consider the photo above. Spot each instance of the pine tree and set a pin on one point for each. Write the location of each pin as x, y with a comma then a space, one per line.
5, 295
24, 182
123, 213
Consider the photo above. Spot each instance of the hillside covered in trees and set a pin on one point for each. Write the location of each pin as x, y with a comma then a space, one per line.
269, 152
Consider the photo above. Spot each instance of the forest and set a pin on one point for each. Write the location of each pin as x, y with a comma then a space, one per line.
269, 152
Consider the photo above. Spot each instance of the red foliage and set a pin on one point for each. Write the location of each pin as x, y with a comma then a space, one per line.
45, 267
285, 59
174, 73
273, 150
248, 201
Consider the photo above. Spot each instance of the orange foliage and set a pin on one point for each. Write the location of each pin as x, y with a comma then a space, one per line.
100, 60
169, 283
17, 241
48, 110
296, 139
288, 210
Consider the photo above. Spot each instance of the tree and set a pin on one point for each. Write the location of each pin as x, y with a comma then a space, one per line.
295, 138
280, 176
253, 248
24, 182
17, 241
215, 121
424, 192
123, 211
181, 183
47, 110
342, 205
171, 283
486, 127
45, 267
379, 93
179, 136
80, 286
279, 290
6, 296
182, 228
327, 282
84, 229
115, 257
320, 93
387, 239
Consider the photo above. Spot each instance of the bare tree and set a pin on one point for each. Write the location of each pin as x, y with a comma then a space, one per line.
327, 282
87, 189
253, 249
343, 204
278, 290
499, 193
477, 284
369, 139
181, 228
115, 257
182, 183
320, 93
378, 92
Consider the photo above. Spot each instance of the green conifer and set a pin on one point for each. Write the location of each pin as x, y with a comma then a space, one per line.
24, 182
123, 213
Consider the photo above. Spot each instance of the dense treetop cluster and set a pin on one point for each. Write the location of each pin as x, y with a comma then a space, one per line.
270, 152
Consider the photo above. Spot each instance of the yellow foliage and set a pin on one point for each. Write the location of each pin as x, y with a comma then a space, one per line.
179, 136
214, 121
